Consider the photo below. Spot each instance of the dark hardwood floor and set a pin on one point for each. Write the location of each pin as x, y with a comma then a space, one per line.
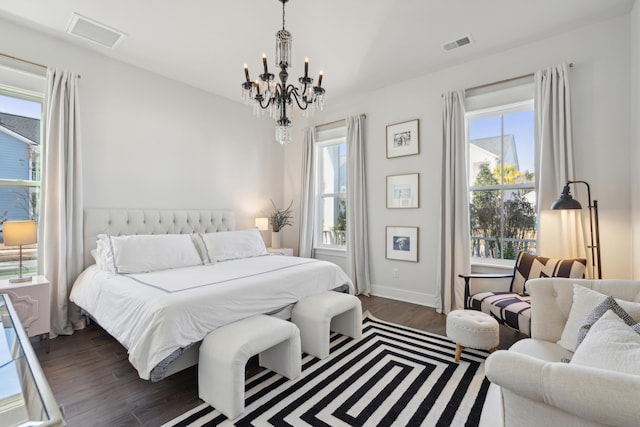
91, 377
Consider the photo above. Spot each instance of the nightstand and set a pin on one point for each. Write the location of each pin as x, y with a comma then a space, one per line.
281, 251
32, 302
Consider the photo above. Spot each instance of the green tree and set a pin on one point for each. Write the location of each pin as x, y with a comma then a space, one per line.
494, 217
519, 223
341, 223
511, 174
485, 210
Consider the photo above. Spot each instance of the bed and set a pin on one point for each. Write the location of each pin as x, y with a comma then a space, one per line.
161, 314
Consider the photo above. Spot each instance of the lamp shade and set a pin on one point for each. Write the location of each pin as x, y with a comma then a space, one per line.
262, 224
18, 233
566, 201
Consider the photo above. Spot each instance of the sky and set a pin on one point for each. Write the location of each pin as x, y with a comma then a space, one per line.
20, 107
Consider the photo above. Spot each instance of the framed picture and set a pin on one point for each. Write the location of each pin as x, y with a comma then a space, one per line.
403, 191
402, 139
402, 243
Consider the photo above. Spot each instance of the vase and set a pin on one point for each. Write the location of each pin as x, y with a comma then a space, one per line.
276, 240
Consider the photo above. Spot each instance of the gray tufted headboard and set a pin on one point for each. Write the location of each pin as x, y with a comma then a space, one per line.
151, 221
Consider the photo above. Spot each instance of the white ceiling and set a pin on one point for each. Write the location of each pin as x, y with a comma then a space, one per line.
358, 44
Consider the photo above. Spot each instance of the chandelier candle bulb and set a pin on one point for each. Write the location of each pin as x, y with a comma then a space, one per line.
320, 79
264, 63
257, 87
246, 72
306, 67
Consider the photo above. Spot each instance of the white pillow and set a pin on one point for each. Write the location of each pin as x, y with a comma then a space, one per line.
96, 258
151, 252
104, 254
227, 245
584, 301
610, 344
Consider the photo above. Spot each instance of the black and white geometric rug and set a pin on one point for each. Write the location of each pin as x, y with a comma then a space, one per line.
393, 375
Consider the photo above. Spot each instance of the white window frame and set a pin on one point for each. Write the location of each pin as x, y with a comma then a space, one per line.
492, 112
29, 96
319, 246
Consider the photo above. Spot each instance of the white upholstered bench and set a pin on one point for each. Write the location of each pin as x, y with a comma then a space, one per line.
317, 315
225, 351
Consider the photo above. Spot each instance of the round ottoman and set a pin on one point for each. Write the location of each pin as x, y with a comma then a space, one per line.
473, 329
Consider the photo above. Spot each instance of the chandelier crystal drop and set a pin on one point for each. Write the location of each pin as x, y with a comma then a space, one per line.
265, 94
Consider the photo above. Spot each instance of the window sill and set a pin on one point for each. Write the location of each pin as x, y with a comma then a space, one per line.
341, 252
479, 264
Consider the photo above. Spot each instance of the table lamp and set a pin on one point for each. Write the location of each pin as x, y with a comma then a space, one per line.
19, 233
262, 224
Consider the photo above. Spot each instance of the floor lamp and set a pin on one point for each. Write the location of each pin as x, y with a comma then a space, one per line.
567, 202
19, 233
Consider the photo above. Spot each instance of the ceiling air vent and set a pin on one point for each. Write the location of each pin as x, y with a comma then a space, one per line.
94, 31
457, 43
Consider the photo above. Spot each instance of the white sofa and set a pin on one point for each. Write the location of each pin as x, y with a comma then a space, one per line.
531, 386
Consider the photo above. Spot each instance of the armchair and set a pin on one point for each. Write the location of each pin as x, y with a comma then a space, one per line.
512, 306
531, 386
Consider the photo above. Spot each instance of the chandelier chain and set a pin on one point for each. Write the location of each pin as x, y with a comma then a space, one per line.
283, 3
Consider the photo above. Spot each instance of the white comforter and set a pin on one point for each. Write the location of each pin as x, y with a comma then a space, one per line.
155, 314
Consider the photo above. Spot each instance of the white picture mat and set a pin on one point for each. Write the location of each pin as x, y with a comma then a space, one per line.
403, 139
402, 243
403, 191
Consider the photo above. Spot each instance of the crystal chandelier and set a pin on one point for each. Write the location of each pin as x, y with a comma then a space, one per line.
267, 94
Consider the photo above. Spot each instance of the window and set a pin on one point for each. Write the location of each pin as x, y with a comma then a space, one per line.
331, 185
502, 181
20, 114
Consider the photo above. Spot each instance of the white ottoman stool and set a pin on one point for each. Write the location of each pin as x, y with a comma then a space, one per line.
473, 329
225, 351
317, 315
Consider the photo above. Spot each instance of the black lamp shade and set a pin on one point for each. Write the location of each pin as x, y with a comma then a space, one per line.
566, 201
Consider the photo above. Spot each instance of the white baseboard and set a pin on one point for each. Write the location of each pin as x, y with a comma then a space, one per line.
403, 295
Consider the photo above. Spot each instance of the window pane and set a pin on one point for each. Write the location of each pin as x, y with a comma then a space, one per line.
503, 223
333, 220
333, 168
19, 203
485, 149
519, 147
19, 160
519, 222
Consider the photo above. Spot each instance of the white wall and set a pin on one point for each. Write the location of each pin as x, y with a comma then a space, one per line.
635, 138
150, 141
600, 82
153, 142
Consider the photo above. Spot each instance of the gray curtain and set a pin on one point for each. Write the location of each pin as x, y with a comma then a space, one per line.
560, 234
61, 250
455, 250
357, 223
307, 204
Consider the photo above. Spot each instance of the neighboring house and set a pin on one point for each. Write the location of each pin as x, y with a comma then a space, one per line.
19, 157
488, 150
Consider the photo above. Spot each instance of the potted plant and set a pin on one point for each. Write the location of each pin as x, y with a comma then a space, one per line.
279, 219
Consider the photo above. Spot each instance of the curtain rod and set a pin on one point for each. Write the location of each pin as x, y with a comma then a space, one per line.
23, 60
28, 62
364, 116
505, 81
